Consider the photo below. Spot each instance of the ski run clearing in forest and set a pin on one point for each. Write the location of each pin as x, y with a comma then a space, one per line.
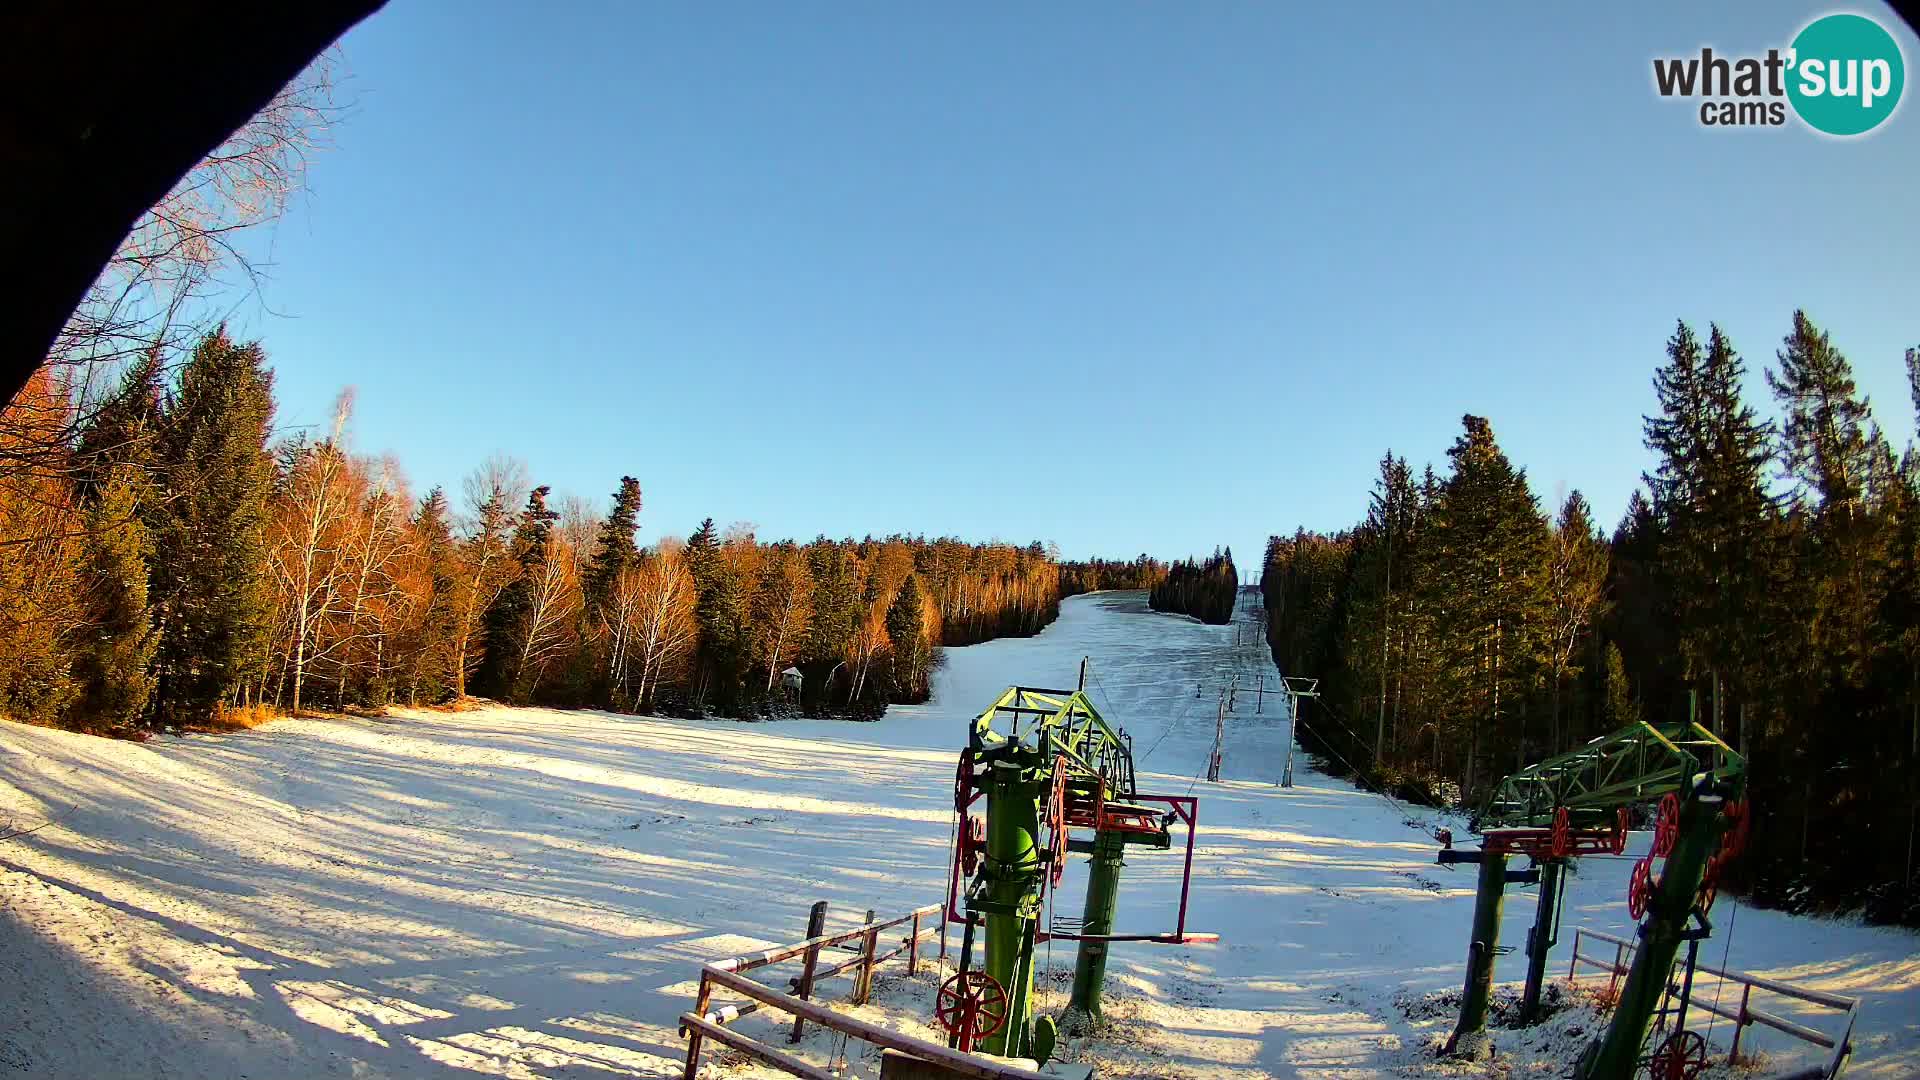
524, 892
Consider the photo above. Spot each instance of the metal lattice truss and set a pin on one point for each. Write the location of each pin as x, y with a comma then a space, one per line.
1634, 764
1062, 723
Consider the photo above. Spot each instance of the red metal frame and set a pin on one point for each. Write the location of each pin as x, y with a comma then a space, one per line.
1539, 843
1187, 809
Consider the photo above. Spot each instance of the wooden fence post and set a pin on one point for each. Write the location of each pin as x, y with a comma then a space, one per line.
913, 946
863, 985
1740, 1025
700, 1005
816, 925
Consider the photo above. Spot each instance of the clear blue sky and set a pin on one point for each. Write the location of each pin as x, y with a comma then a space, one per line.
1123, 276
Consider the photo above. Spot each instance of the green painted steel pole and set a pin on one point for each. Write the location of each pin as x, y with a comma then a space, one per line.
1012, 866
1541, 939
1103, 896
1469, 1036
1615, 1055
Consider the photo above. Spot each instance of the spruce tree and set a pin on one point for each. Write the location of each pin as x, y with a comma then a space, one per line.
720, 609
615, 550
1621, 707
1722, 561
836, 614
1825, 449
117, 637
209, 588
1830, 451
500, 674
1486, 576
906, 631
122, 429
592, 675
432, 644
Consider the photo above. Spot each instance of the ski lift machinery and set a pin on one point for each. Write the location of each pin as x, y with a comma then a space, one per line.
1045, 763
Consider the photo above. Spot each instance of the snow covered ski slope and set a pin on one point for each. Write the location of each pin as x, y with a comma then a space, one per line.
525, 892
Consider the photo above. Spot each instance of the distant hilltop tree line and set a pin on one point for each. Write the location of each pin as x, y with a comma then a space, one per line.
1205, 590
1098, 575
1766, 579
165, 560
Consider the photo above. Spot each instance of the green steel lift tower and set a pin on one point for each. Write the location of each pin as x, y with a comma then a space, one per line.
1576, 804
1045, 763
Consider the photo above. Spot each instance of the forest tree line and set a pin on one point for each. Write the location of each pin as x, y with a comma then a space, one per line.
166, 560
1097, 575
1206, 590
1763, 580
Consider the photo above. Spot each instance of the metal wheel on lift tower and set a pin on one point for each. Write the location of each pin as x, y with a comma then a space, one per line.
1682, 1056
1057, 822
1640, 888
963, 782
1666, 826
971, 1006
973, 841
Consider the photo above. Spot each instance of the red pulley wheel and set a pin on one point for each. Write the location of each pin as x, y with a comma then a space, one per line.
973, 840
963, 782
1739, 826
1562, 833
1709, 884
1682, 1056
1618, 842
1640, 888
971, 1005
1666, 826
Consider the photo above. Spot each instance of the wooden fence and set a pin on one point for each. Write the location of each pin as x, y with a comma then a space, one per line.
1743, 1014
709, 1021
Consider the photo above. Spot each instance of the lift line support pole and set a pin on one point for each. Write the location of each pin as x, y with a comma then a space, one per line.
1296, 689
1103, 897
1494, 876
1543, 937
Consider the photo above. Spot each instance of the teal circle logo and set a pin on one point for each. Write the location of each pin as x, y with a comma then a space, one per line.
1846, 74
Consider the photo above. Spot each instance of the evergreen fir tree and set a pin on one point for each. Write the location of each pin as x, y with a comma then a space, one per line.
591, 670
1824, 445
1710, 494
836, 616
906, 633
1830, 452
1622, 709
615, 550
721, 612
122, 429
117, 638
432, 645
1486, 577
500, 672
209, 588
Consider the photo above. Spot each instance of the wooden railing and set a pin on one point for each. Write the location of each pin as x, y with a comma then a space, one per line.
1744, 1014
708, 1021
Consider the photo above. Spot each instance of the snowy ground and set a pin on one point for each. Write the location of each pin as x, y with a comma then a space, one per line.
528, 892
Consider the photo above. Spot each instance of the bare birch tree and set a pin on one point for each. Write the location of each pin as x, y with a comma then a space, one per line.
666, 630
552, 603
305, 554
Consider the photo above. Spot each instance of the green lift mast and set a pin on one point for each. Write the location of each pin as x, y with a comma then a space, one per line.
1577, 804
1046, 763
